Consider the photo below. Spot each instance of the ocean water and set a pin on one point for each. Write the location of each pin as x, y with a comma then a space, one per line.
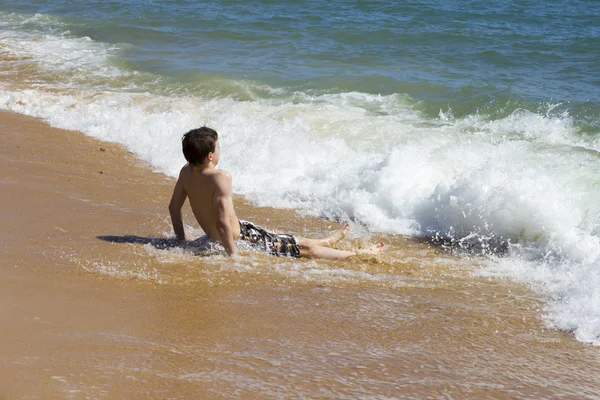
472, 124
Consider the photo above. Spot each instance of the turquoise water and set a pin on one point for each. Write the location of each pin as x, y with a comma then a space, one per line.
469, 122
469, 56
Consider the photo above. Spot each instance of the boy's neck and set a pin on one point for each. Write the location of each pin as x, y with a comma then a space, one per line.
203, 167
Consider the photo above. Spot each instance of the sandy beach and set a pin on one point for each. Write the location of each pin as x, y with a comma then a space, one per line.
94, 304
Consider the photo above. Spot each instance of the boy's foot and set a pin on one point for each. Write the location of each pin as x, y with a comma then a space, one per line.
374, 250
336, 237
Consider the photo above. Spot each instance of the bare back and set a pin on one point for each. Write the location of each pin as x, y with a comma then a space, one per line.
203, 189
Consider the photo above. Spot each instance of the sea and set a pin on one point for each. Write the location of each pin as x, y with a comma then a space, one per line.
471, 125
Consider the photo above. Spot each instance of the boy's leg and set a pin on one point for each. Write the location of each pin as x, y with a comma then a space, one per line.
335, 237
329, 240
308, 249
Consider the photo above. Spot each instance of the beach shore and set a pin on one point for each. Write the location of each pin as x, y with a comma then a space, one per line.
93, 304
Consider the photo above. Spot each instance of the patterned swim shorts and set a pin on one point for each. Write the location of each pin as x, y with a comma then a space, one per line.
272, 243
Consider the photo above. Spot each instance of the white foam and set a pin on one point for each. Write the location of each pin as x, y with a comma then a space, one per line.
571, 287
45, 41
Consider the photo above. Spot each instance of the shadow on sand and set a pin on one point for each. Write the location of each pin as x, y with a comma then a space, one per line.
159, 243
202, 246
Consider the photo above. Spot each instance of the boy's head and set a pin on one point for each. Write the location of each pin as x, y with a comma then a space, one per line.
197, 144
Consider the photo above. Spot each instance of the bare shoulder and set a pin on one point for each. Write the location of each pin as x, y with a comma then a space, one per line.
225, 174
185, 171
222, 180
221, 176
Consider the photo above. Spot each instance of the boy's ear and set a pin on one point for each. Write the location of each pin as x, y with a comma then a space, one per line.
210, 157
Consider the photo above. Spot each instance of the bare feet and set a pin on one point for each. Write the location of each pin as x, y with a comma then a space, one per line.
336, 237
374, 250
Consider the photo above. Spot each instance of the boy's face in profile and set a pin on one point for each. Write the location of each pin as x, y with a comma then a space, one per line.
217, 153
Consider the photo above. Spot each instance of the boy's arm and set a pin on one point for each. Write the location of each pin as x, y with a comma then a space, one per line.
224, 210
177, 200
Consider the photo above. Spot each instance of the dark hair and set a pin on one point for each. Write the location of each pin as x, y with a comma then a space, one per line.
197, 143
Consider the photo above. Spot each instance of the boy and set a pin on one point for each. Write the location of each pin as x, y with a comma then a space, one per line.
209, 192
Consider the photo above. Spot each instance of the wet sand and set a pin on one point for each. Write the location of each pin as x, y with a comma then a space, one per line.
94, 304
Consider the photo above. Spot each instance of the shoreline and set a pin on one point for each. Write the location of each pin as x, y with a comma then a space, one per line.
90, 318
